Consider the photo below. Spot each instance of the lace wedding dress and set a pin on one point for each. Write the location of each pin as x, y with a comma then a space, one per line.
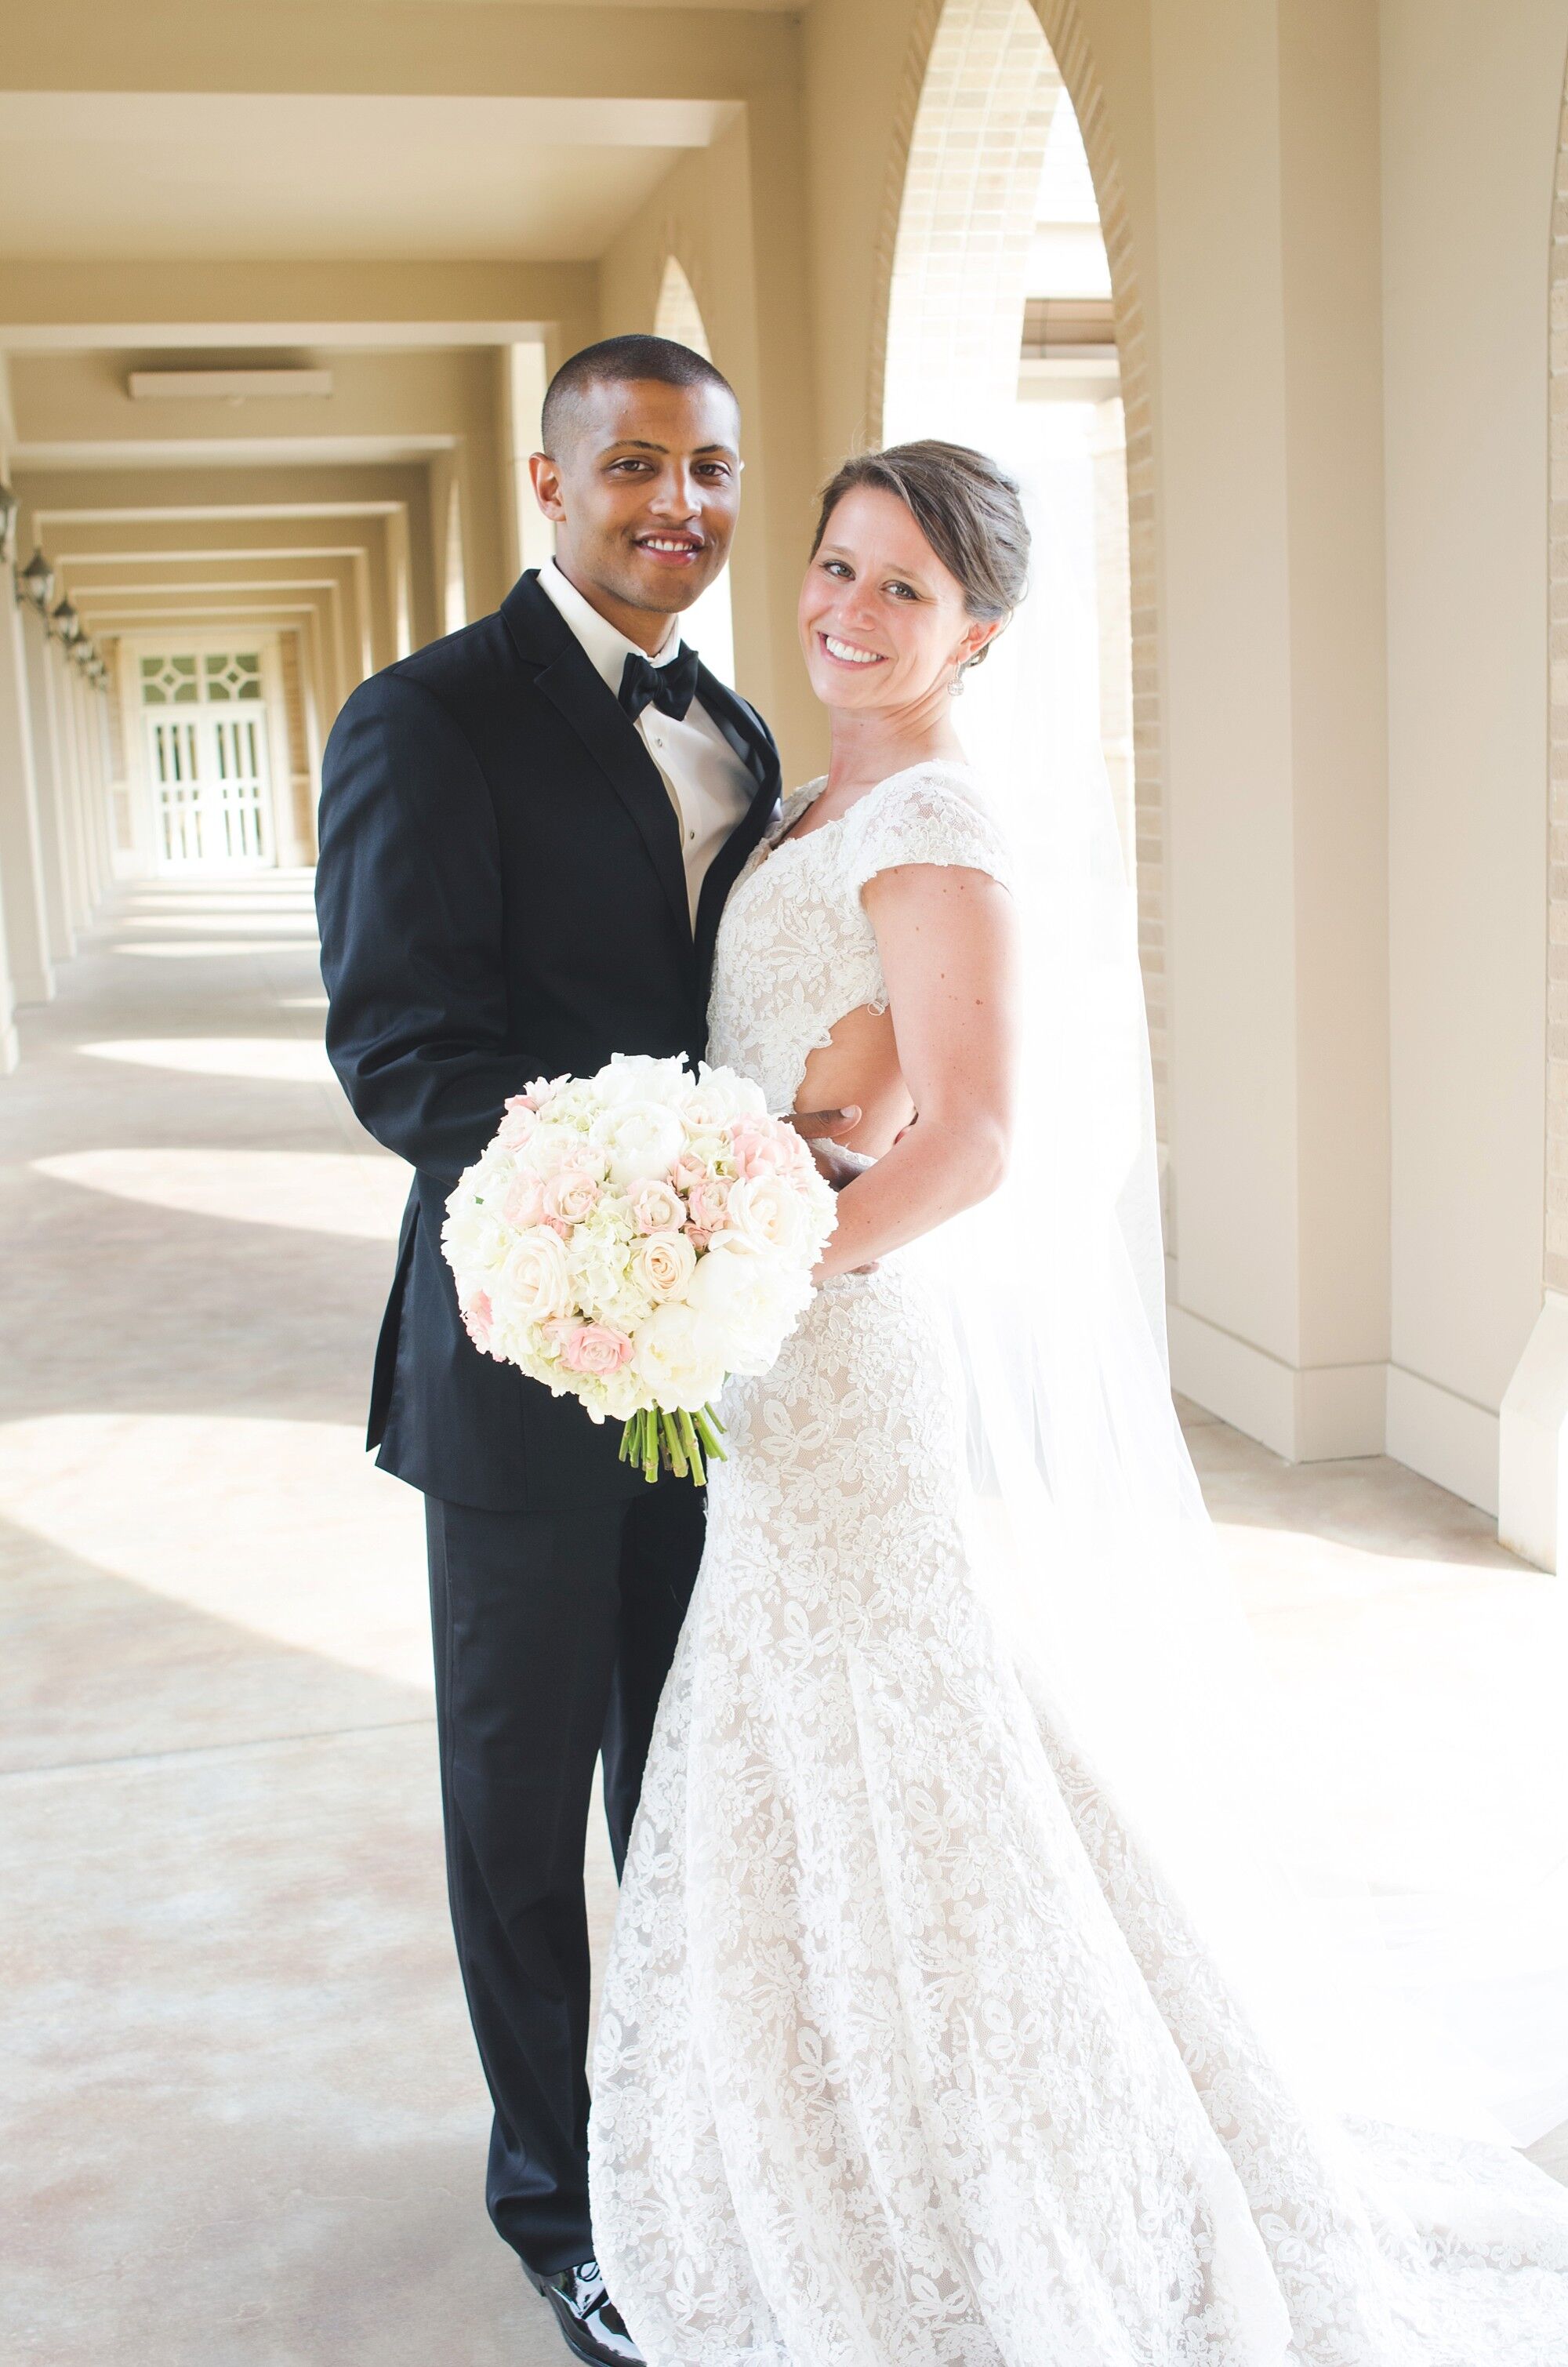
906, 2058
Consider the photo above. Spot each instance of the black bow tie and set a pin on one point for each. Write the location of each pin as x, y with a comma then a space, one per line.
670, 687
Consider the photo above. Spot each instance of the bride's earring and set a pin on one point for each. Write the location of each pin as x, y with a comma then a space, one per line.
955, 687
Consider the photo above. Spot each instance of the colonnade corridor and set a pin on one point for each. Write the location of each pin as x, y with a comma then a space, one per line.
248, 2126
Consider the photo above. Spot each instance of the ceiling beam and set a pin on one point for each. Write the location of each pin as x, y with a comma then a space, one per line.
54, 306
414, 47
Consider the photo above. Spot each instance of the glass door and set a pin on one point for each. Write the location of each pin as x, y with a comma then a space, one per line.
207, 759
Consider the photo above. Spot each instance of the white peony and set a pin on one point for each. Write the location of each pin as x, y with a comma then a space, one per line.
474, 1238
749, 1301
664, 1264
719, 1097
636, 1077
678, 1360
639, 1139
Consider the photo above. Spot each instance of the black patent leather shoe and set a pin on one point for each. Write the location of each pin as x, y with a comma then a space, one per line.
591, 2325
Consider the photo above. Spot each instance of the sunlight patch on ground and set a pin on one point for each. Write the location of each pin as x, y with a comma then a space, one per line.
274, 1059
282, 1528
226, 948
1432, 1688
241, 925
284, 908
360, 1195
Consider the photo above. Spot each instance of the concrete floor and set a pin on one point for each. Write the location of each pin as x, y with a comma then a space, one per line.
245, 2124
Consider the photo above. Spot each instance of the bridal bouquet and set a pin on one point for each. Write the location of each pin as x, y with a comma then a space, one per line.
630, 1239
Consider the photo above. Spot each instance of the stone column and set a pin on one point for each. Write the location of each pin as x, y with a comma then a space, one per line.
48, 772
67, 684
1270, 438
21, 852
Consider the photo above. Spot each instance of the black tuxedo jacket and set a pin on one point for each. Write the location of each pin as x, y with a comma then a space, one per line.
501, 897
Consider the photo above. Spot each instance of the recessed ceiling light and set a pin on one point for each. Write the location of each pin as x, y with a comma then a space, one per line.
226, 385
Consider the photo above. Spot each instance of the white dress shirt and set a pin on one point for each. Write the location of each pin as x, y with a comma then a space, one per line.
709, 786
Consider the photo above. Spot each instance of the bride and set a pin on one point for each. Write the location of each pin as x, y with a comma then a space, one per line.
908, 2055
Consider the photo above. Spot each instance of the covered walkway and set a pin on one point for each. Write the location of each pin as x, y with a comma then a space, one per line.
248, 2124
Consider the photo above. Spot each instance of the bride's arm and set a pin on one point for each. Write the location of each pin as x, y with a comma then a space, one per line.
949, 957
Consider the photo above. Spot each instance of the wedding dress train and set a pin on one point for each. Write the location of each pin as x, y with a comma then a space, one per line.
906, 2057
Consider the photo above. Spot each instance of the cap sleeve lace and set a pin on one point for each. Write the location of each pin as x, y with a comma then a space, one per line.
796, 949
932, 815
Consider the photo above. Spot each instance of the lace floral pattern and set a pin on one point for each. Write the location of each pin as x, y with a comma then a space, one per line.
796, 948
905, 2058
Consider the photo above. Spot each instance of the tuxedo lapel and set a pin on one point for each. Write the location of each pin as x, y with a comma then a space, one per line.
756, 749
569, 680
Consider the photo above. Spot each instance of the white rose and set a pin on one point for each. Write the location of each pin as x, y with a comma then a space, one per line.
748, 1300
639, 1139
636, 1077
768, 1212
664, 1264
677, 1360
535, 1279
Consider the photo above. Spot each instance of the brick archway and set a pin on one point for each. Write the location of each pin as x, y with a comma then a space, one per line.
1556, 1259
969, 136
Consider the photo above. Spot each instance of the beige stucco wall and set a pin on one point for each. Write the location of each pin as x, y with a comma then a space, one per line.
1469, 133
733, 214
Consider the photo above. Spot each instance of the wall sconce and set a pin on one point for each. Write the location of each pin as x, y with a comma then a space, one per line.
67, 623
9, 505
35, 582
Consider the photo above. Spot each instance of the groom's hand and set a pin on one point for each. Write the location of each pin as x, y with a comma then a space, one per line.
820, 1129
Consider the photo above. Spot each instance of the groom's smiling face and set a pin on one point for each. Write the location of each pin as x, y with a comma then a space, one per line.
643, 487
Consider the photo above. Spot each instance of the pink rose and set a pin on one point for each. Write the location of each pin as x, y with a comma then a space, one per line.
655, 1207
698, 1239
757, 1149
709, 1197
519, 1121
524, 1202
687, 1170
595, 1348
478, 1316
570, 1194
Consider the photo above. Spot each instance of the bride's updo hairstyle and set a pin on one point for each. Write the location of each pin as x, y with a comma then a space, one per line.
968, 508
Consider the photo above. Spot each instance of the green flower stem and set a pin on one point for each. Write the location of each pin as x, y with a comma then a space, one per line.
693, 1448
674, 1444
649, 1446
706, 1423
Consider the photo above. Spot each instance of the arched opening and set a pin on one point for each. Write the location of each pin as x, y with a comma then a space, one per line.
709, 624
1011, 322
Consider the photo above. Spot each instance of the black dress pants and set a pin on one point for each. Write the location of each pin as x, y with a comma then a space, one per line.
554, 1633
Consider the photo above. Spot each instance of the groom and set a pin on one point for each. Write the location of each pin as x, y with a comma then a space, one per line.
528, 833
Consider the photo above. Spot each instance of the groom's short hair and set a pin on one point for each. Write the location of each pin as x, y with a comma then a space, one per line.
620, 361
